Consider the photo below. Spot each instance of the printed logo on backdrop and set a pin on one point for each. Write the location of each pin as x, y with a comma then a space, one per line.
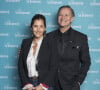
4, 34
94, 3
97, 81
97, 61
12, 0
18, 34
3, 56
33, 1
10, 23
9, 87
52, 26
7, 66
94, 50
93, 71
74, 2
43, 13
4, 12
3, 77
93, 27
54, 2
9, 45
85, 15
77, 26
20, 11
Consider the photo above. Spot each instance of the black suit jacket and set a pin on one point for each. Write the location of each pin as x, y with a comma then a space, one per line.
43, 61
70, 65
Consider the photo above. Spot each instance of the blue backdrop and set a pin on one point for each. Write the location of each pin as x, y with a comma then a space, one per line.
15, 17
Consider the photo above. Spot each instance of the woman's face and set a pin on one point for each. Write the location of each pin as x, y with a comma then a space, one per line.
38, 28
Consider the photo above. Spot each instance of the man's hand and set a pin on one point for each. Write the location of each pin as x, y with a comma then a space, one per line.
79, 83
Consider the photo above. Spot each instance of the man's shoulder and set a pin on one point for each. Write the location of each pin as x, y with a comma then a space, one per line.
78, 33
51, 34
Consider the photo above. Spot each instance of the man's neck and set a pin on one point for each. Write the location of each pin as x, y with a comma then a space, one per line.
64, 29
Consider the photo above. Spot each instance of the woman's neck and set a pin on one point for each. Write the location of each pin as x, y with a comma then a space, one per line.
36, 39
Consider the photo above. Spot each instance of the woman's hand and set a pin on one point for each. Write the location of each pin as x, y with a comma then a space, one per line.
32, 88
39, 87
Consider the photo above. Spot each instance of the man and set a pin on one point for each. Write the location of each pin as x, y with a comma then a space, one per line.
70, 59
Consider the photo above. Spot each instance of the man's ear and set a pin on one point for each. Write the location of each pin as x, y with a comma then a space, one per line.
72, 19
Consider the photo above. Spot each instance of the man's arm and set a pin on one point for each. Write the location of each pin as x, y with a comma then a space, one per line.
84, 59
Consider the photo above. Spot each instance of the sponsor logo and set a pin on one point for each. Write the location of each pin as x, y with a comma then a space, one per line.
33, 1
78, 27
95, 50
54, 2
44, 13
83, 14
97, 61
92, 26
72, 2
12, 0
52, 26
20, 35
92, 71
8, 45
5, 12
3, 77
97, 81
21, 12
94, 3
4, 34
8, 87
10, 67
3, 56
12, 23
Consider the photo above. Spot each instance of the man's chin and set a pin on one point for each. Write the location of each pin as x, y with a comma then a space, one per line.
61, 26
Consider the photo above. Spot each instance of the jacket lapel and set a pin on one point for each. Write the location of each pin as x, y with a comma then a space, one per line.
27, 47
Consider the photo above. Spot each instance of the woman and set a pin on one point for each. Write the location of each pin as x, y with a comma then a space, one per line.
33, 55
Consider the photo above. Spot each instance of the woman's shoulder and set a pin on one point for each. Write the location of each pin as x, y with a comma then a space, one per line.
28, 39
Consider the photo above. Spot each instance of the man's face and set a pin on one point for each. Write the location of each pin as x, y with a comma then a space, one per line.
65, 17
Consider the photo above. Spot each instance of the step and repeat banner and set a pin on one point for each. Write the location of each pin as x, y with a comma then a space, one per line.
15, 17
